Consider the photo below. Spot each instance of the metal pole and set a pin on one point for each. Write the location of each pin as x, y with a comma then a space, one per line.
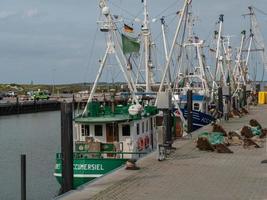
102, 65
167, 124
220, 101
165, 48
244, 95
23, 176
146, 34
67, 147
189, 111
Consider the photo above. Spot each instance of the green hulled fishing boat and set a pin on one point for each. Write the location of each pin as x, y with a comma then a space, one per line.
106, 139
109, 132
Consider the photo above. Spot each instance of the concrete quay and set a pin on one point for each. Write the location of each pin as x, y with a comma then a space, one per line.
188, 173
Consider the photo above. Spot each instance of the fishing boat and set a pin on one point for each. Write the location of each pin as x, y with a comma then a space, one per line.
196, 81
105, 139
110, 132
192, 75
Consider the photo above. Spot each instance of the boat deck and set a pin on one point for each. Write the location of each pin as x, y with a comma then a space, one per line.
189, 173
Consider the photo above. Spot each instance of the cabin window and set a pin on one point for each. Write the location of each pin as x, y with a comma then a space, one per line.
146, 125
143, 127
85, 130
137, 129
98, 130
196, 106
126, 130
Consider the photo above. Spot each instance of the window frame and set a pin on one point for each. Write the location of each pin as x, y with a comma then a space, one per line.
196, 105
98, 125
85, 130
137, 129
122, 130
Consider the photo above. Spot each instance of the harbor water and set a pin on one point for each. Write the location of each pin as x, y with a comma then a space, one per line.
38, 136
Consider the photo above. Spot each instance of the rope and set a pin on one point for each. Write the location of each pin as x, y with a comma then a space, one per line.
91, 52
169, 7
260, 11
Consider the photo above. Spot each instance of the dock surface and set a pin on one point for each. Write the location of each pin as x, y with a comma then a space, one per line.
189, 173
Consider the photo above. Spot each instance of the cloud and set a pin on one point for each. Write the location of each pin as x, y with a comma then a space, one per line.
6, 14
31, 13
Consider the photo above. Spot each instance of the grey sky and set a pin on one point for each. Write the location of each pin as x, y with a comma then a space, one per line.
51, 40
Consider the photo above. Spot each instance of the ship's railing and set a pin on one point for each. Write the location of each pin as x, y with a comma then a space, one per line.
101, 154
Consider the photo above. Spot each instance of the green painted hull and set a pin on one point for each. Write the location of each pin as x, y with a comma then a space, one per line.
87, 169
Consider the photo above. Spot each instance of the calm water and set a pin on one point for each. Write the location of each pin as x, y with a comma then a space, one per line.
37, 135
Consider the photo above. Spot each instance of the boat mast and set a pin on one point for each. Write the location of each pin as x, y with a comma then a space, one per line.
183, 13
217, 57
256, 38
203, 76
238, 72
109, 26
146, 35
163, 30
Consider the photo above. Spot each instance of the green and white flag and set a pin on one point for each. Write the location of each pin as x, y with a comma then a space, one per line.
129, 44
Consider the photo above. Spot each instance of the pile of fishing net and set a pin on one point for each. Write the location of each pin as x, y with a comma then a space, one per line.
238, 113
213, 141
219, 140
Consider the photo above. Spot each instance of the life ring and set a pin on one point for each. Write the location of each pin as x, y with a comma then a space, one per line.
140, 144
146, 141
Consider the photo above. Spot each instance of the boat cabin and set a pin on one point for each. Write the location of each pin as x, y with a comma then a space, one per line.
199, 102
126, 132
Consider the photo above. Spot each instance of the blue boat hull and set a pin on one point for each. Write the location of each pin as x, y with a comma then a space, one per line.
200, 119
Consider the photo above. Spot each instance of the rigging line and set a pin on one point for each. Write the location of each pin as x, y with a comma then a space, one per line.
260, 11
92, 50
123, 9
160, 34
184, 31
189, 60
263, 73
171, 14
169, 7
132, 20
181, 50
257, 44
137, 70
134, 16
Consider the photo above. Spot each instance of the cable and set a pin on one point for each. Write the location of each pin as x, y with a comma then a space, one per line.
170, 6
91, 52
123, 9
260, 11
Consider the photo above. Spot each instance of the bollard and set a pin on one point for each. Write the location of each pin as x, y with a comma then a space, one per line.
23, 176
189, 111
67, 147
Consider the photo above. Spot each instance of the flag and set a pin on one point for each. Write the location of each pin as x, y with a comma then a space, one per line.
129, 44
128, 29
